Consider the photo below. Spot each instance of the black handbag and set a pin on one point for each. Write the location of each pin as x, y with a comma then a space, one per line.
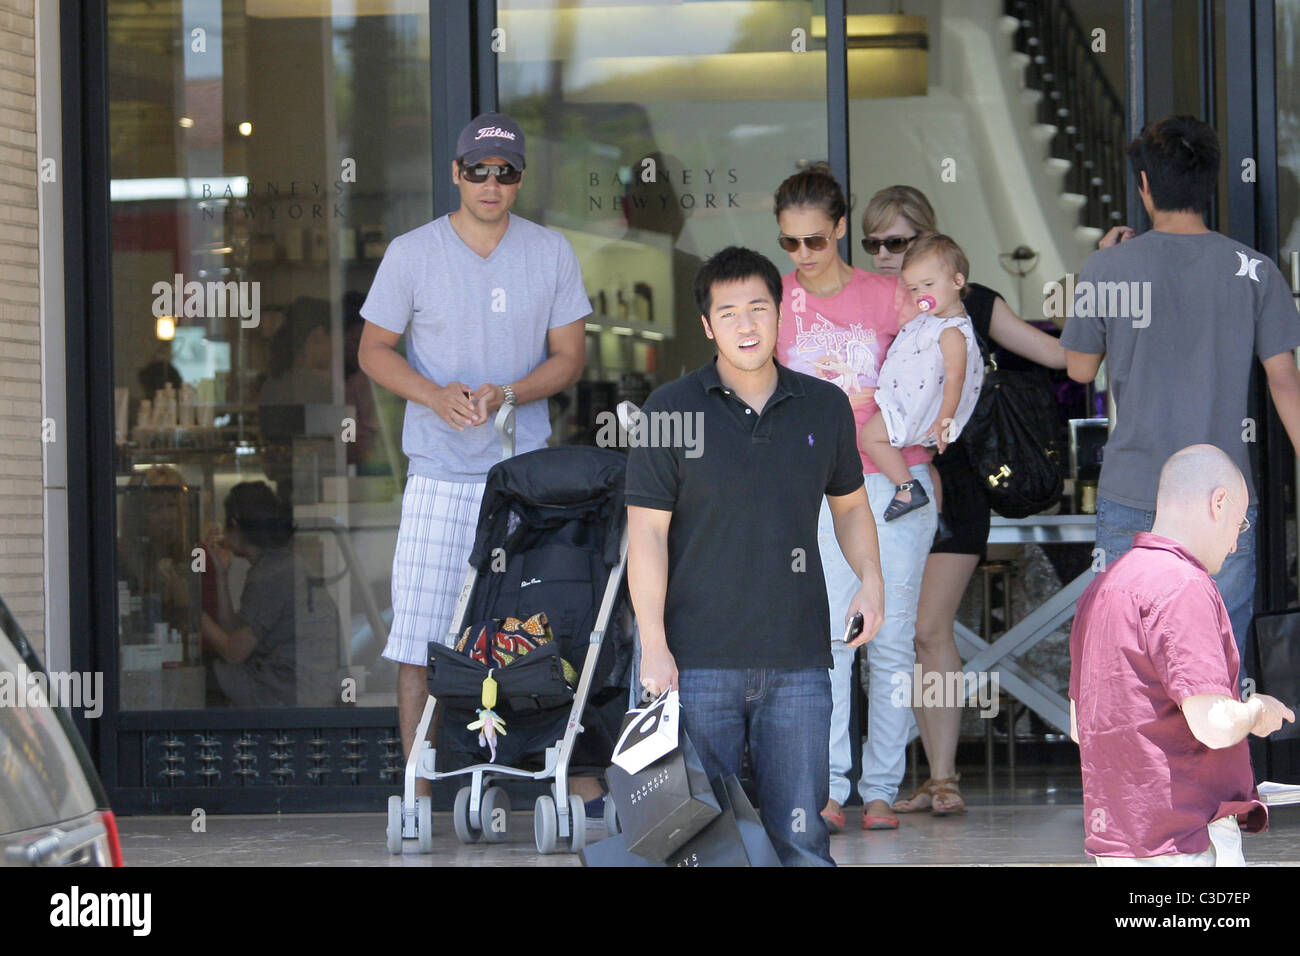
1011, 440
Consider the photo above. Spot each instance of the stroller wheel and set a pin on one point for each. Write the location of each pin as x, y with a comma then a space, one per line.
611, 816
394, 824
494, 814
465, 832
424, 823
577, 823
546, 826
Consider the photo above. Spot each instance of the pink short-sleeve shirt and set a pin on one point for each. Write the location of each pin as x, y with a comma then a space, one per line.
1149, 633
844, 340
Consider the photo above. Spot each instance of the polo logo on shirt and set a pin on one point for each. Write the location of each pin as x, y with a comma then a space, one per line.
1248, 266
810, 440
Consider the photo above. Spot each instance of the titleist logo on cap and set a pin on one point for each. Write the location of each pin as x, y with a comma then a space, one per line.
495, 131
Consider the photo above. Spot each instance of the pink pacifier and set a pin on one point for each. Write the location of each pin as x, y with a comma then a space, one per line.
925, 303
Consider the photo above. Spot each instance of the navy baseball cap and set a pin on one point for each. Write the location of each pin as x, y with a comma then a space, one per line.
491, 134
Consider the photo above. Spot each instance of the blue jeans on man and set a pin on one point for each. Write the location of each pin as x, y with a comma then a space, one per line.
1117, 524
785, 717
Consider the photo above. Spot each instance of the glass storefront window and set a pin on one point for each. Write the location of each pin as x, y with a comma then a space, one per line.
263, 153
657, 134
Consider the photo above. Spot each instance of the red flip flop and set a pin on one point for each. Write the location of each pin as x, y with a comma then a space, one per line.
835, 822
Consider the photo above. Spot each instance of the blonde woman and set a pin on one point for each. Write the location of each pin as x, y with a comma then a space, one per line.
893, 219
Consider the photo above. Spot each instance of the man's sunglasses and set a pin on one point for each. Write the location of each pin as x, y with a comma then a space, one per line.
814, 243
894, 244
506, 175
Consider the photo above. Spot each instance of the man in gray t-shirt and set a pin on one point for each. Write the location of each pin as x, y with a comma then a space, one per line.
1180, 314
491, 306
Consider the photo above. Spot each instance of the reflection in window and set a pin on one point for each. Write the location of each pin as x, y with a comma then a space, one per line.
657, 134
262, 155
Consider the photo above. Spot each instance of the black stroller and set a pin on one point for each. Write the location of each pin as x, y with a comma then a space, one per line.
551, 537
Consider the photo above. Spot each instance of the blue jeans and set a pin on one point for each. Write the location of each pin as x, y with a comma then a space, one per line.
1117, 524
785, 716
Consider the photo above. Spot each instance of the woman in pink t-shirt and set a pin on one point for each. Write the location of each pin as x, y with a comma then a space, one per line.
837, 323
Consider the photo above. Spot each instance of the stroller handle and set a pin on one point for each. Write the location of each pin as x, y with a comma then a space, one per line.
505, 426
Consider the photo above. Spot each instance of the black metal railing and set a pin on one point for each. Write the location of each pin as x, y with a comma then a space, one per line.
1079, 101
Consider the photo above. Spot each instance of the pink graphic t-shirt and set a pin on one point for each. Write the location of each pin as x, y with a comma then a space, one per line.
844, 340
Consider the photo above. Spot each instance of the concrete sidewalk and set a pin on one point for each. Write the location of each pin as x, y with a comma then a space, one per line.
1038, 821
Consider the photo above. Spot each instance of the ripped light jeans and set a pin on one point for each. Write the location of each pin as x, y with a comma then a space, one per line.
904, 547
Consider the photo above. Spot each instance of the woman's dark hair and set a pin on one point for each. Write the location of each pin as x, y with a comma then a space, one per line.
814, 186
263, 517
1181, 157
731, 265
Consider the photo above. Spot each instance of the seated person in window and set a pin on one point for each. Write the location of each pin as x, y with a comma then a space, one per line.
281, 647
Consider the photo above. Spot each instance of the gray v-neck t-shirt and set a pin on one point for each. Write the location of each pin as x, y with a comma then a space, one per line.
1181, 319
474, 320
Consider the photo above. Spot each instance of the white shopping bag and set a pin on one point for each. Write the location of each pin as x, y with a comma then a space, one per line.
648, 733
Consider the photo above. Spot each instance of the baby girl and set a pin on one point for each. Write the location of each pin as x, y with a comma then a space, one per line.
930, 379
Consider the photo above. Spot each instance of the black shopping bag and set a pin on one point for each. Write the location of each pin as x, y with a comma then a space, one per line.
664, 805
734, 838
758, 847
1277, 662
612, 851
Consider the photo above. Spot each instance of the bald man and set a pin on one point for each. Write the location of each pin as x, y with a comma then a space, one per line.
1154, 670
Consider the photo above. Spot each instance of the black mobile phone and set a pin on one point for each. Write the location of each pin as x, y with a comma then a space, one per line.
854, 628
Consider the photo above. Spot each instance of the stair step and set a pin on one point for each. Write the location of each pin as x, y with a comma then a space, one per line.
1057, 170
1043, 132
1008, 25
1088, 236
1019, 60
1072, 202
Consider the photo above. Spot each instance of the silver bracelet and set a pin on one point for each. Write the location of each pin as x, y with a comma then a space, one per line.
510, 394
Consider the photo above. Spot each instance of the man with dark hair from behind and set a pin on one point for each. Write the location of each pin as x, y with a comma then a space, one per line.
741, 630
1181, 313
281, 647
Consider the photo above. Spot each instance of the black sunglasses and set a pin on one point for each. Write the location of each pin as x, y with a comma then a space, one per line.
815, 243
894, 244
506, 175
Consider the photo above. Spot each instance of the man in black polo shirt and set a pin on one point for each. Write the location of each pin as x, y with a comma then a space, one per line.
723, 566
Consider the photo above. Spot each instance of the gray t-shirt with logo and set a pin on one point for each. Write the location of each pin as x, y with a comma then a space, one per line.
476, 321
1179, 353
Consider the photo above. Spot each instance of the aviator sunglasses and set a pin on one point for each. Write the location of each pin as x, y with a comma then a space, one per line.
894, 244
506, 175
815, 243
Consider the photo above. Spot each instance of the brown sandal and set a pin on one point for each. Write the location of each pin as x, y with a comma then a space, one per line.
947, 787
926, 789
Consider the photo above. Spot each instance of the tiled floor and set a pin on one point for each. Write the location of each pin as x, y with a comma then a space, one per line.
1035, 821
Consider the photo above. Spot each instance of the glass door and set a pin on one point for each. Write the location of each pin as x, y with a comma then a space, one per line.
660, 132
261, 155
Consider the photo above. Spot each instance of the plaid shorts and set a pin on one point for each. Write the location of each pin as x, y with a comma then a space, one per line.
431, 563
